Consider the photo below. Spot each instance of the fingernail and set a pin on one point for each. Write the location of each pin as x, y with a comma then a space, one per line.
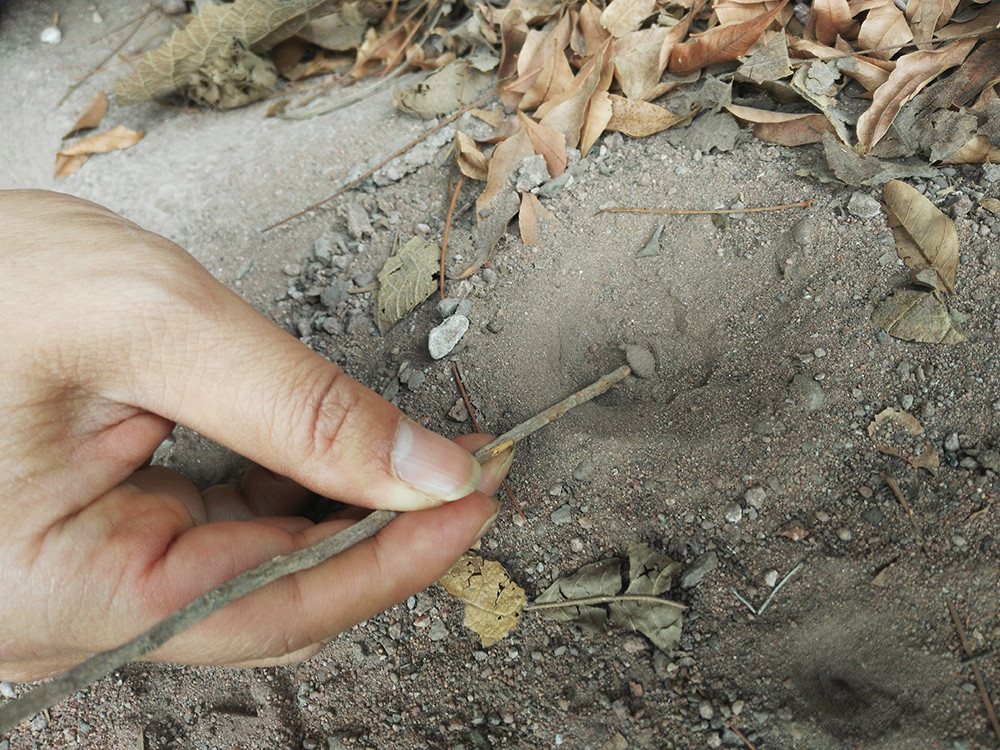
494, 471
433, 465
489, 523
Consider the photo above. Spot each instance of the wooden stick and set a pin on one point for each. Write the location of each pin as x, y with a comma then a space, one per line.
894, 486
696, 212
46, 695
976, 673
610, 599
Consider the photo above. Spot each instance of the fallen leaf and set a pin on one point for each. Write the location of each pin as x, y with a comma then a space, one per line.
470, 159
493, 602
491, 223
595, 119
859, 171
595, 596
530, 212
784, 128
506, 157
884, 30
897, 433
768, 61
829, 19
550, 144
638, 119
925, 238
926, 16
405, 280
622, 17
641, 57
71, 158
912, 73
91, 116
916, 315
721, 44
194, 60
991, 204
444, 91
977, 150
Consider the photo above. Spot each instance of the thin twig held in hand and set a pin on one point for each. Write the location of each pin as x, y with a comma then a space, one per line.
613, 599
700, 211
44, 696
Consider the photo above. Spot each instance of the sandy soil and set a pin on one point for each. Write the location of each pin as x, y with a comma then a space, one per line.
746, 455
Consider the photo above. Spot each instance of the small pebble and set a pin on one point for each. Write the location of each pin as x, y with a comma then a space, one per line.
583, 470
770, 578
445, 337
755, 497
51, 35
951, 442
576, 544
562, 515
844, 534
705, 710
863, 206
291, 269
641, 360
701, 567
734, 512
822, 516
7, 690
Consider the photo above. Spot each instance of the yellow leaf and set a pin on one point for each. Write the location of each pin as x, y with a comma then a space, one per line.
639, 119
493, 602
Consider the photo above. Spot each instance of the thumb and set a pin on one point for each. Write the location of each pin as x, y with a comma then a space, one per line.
209, 361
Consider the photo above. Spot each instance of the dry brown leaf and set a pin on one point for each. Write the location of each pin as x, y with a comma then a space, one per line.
470, 159
217, 36
897, 433
622, 17
925, 238
783, 128
445, 90
912, 73
565, 112
595, 120
406, 280
639, 119
91, 116
71, 158
730, 12
527, 220
554, 77
513, 32
864, 71
721, 44
884, 30
591, 34
506, 157
491, 223
991, 204
927, 16
550, 144
493, 602
641, 57
977, 150
830, 19
916, 315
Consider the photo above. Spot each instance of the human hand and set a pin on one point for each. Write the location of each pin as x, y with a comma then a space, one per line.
111, 334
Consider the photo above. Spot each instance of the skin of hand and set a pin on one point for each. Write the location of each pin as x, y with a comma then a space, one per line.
110, 335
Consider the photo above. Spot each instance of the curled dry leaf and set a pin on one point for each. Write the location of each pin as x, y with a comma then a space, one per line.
528, 216
551, 145
899, 434
829, 19
445, 90
912, 73
493, 602
925, 238
916, 315
91, 116
721, 44
470, 159
601, 595
406, 280
71, 158
884, 30
781, 127
215, 57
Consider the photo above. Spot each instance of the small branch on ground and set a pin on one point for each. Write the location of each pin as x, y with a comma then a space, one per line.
976, 673
894, 486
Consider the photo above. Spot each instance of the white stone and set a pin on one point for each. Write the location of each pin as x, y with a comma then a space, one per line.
445, 337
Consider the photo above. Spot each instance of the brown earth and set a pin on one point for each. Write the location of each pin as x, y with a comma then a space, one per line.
749, 443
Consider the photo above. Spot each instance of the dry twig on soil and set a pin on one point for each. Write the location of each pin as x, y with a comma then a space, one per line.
894, 486
702, 211
976, 673
43, 696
